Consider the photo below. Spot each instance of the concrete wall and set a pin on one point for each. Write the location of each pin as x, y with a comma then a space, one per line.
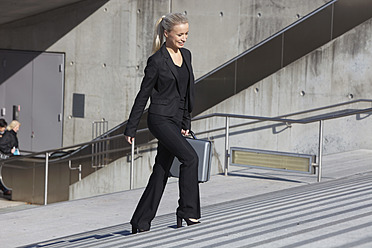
328, 75
220, 30
107, 44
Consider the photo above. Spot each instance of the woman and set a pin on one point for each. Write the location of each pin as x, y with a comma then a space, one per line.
169, 83
9, 141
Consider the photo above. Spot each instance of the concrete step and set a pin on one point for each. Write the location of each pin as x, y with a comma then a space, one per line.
335, 213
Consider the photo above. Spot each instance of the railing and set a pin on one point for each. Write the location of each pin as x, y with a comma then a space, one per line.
280, 119
99, 129
45, 156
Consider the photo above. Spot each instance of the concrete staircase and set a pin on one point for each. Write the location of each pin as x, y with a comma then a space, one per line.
335, 213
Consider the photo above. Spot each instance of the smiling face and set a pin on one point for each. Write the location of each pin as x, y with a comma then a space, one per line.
177, 37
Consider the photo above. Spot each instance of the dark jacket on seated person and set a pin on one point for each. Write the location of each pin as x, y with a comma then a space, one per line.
8, 141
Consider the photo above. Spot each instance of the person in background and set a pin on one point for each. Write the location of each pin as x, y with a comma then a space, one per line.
3, 125
9, 141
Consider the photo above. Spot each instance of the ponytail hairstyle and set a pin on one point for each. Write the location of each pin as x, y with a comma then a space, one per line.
167, 23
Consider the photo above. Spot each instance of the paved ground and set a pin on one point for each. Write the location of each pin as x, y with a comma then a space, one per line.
23, 224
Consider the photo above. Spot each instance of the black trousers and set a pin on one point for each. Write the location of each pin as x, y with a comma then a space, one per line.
171, 144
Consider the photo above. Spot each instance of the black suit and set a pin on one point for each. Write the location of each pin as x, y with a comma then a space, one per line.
168, 113
160, 84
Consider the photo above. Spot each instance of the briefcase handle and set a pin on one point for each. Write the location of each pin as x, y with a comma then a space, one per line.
192, 134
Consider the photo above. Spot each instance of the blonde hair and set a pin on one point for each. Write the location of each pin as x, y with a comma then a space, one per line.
13, 124
167, 23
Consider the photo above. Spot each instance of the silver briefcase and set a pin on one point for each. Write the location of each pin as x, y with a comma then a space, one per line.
204, 150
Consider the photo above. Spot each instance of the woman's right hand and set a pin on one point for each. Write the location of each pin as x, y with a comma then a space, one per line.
129, 139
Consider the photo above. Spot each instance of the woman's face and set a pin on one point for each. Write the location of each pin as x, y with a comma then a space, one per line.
177, 37
16, 128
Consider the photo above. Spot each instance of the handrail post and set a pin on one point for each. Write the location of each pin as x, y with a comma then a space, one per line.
132, 167
46, 178
320, 151
79, 172
227, 155
75, 168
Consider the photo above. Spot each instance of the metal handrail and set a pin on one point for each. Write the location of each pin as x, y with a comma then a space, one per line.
258, 119
33, 157
45, 156
285, 120
36, 157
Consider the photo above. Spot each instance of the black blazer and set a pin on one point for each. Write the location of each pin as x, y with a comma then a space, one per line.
160, 84
8, 141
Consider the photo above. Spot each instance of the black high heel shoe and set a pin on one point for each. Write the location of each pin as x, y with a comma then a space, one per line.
138, 230
188, 221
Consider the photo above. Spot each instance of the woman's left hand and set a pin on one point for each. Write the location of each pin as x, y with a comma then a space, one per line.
185, 132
